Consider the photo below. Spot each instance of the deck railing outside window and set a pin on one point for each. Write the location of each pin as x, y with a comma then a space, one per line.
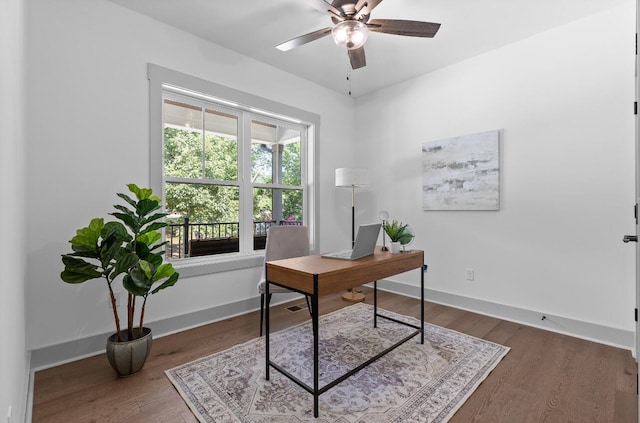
199, 239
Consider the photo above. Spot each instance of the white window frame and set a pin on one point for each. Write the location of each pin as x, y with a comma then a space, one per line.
162, 79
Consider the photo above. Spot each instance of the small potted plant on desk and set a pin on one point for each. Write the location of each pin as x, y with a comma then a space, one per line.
129, 247
398, 234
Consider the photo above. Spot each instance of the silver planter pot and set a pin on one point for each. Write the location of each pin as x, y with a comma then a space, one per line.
128, 357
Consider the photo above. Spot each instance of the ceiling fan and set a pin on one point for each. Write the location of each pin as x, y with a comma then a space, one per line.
352, 26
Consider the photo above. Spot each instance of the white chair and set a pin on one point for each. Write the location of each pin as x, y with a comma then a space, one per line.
282, 242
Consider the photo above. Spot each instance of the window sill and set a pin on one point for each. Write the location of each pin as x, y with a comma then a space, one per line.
190, 267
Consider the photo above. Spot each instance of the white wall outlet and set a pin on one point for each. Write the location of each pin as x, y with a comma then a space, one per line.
469, 273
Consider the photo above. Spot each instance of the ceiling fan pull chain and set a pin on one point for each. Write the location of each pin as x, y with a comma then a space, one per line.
349, 75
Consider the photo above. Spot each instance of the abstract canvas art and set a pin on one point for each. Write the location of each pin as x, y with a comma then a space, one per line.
462, 173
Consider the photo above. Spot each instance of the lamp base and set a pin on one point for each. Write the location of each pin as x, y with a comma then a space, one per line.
353, 296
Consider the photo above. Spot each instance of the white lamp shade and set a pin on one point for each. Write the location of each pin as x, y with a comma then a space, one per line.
346, 177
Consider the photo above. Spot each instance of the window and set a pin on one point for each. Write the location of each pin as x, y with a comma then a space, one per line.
228, 170
201, 183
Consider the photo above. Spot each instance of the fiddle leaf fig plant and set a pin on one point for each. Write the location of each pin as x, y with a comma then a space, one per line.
130, 247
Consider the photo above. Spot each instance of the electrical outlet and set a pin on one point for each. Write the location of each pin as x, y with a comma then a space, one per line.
469, 273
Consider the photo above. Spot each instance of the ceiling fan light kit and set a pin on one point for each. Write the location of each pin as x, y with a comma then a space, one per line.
350, 34
352, 26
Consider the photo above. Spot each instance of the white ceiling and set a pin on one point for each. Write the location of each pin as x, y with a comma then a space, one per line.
469, 27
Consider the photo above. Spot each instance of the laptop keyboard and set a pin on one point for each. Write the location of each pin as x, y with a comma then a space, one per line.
341, 254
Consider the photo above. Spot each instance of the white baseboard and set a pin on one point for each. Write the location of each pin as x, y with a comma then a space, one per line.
589, 331
55, 355
28, 413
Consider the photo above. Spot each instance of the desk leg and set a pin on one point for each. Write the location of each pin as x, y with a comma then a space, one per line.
266, 327
421, 306
375, 304
314, 323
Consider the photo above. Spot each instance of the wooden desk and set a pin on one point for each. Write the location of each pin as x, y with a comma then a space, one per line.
315, 276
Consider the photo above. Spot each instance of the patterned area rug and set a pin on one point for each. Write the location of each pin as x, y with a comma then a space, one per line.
413, 383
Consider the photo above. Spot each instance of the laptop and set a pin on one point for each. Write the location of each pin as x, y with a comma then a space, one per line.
364, 246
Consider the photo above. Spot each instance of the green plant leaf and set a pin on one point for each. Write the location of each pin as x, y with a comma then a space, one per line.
129, 219
109, 250
405, 238
142, 250
114, 235
154, 259
141, 193
129, 284
139, 278
150, 238
154, 227
155, 217
123, 209
87, 254
128, 199
78, 271
163, 271
86, 239
125, 261
166, 284
155, 247
116, 229
146, 268
146, 206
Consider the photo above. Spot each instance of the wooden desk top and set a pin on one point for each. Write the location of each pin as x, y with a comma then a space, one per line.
336, 275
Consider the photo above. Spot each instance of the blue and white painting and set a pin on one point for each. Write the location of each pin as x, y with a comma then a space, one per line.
462, 173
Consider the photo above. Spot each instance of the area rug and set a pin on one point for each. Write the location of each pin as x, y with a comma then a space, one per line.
413, 383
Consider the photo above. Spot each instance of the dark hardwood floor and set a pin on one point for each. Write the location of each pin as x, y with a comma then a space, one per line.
546, 377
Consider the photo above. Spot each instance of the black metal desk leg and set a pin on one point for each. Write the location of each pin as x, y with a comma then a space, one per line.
266, 325
375, 304
314, 322
422, 304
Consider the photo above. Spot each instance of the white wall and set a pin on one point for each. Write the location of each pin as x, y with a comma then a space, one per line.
563, 102
14, 362
88, 117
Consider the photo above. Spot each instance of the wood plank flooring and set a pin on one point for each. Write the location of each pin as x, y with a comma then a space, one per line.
546, 377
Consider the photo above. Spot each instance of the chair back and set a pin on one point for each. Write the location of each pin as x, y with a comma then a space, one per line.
286, 242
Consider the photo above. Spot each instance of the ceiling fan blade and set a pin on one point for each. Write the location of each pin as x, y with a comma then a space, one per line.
402, 27
357, 59
304, 39
325, 7
364, 7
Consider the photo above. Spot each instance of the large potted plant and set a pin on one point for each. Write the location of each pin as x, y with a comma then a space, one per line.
131, 247
399, 234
